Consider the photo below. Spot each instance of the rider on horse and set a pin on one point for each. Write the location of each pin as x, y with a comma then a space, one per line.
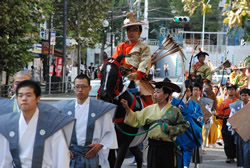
137, 62
201, 69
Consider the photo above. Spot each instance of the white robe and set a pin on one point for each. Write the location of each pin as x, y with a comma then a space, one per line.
104, 132
56, 153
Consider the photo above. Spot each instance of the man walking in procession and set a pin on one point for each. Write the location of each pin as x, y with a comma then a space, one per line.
170, 120
192, 113
94, 132
242, 147
34, 138
223, 112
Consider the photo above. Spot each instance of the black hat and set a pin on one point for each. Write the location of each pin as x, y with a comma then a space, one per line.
166, 79
201, 53
169, 85
229, 85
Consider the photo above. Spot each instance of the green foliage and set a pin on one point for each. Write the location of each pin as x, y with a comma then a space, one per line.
172, 8
84, 21
19, 31
213, 20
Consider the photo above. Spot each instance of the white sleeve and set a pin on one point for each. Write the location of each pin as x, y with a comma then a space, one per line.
108, 140
108, 137
60, 151
5, 155
228, 124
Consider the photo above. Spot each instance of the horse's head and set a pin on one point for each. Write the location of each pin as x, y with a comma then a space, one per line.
111, 79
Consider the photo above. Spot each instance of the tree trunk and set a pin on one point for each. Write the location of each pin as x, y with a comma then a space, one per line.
101, 55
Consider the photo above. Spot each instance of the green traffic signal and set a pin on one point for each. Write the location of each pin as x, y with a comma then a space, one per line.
181, 19
176, 19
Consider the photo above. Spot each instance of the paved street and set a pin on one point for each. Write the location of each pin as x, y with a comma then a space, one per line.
214, 158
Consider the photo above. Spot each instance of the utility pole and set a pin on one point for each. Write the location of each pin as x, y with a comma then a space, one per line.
203, 28
49, 54
146, 10
131, 5
112, 26
138, 9
111, 34
64, 43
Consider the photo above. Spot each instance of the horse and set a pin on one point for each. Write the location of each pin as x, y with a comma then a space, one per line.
112, 90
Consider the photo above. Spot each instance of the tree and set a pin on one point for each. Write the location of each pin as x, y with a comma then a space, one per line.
85, 20
213, 22
175, 8
19, 30
237, 13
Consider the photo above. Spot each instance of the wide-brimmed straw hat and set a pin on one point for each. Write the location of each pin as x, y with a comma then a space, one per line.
132, 21
168, 84
242, 66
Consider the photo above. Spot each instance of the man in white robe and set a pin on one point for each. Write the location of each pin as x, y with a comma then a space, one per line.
34, 138
94, 132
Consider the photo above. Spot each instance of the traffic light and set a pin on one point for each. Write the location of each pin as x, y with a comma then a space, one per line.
181, 19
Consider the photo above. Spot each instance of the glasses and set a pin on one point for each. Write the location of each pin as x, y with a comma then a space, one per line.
81, 87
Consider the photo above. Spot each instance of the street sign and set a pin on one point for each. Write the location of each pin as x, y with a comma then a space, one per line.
45, 48
43, 26
51, 70
52, 38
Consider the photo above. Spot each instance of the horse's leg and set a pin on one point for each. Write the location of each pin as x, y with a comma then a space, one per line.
111, 158
122, 150
138, 155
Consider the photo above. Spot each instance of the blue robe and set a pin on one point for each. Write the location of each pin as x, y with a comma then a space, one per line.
191, 138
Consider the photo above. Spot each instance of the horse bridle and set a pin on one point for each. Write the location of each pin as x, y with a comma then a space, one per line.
113, 61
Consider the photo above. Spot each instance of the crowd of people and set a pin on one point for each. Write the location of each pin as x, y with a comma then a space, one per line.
79, 133
91, 71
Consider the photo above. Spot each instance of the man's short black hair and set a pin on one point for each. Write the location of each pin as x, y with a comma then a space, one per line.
190, 87
245, 90
198, 86
32, 84
82, 76
165, 90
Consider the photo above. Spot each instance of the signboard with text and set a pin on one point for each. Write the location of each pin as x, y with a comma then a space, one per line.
52, 38
43, 27
45, 48
59, 63
51, 70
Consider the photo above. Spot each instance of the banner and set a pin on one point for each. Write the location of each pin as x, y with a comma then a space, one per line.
59, 63
45, 48
52, 38
51, 70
